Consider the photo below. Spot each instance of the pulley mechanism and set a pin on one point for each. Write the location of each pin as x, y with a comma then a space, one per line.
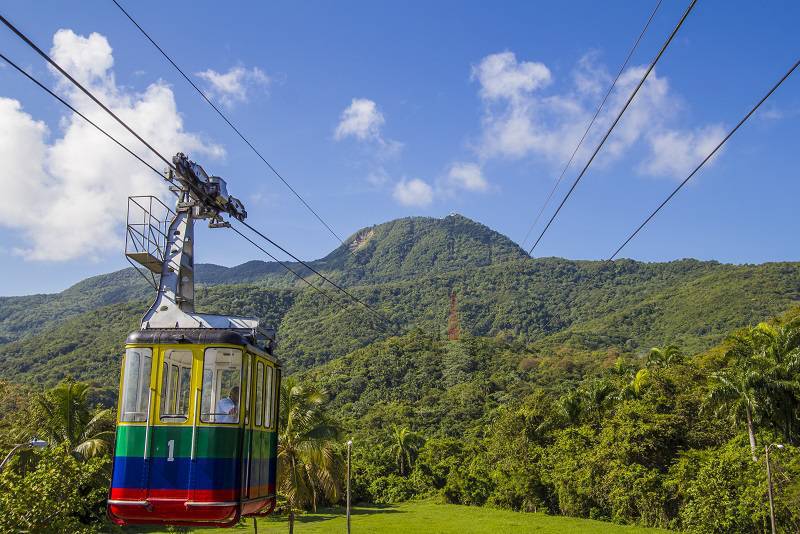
164, 245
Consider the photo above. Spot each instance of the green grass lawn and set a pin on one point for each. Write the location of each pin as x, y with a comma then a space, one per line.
428, 517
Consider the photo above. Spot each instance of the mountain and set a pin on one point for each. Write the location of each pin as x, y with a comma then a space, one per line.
396, 250
408, 269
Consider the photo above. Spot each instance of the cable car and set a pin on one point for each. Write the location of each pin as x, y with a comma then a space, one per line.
196, 441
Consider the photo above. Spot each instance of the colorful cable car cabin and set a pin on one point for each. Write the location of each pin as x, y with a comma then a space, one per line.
196, 440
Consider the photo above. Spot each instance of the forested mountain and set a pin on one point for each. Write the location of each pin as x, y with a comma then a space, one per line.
408, 269
397, 250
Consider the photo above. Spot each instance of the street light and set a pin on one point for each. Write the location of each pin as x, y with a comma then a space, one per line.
349, 447
32, 444
769, 484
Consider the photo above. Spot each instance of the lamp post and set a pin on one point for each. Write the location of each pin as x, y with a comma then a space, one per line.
349, 447
769, 484
32, 444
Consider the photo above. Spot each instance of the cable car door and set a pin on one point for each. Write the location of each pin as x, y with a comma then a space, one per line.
171, 428
257, 423
247, 438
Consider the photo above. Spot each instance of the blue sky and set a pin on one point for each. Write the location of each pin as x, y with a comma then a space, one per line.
469, 107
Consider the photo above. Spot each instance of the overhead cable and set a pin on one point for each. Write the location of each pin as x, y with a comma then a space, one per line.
708, 157
228, 121
84, 117
285, 266
85, 91
105, 108
591, 122
310, 268
616, 120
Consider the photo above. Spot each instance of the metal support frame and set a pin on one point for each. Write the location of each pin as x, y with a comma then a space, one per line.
161, 241
146, 235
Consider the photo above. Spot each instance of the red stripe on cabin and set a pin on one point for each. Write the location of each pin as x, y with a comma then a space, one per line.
136, 494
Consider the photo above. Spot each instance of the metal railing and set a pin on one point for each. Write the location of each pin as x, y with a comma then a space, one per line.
148, 222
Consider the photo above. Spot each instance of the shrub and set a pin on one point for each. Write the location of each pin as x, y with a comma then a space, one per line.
61, 494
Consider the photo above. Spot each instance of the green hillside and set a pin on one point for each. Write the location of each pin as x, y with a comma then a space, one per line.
407, 269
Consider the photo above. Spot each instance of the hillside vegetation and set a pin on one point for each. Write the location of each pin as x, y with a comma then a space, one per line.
637, 393
407, 269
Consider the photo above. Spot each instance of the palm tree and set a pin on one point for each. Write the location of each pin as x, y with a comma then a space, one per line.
63, 415
777, 351
405, 445
762, 379
309, 463
598, 397
635, 388
571, 406
736, 392
664, 356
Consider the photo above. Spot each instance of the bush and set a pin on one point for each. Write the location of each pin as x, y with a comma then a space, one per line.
392, 488
60, 494
723, 490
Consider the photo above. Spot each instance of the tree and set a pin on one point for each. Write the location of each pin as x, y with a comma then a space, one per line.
63, 415
309, 462
779, 352
571, 407
664, 356
598, 397
635, 388
736, 392
762, 378
405, 446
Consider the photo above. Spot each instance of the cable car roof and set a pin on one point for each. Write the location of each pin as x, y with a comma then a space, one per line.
258, 341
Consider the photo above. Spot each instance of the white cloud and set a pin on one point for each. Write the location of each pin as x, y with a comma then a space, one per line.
361, 119
87, 59
68, 195
501, 76
520, 120
677, 153
467, 176
232, 87
414, 192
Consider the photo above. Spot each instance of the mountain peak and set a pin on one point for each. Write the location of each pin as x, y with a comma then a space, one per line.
410, 246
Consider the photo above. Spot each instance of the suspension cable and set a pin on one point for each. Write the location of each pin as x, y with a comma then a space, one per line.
591, 122
233, 127
310, 268
105, 108
285, 266
85, 91
84, 117
705, 160
616, 120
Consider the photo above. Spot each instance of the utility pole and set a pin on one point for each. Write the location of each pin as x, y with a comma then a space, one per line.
769, 486
349, 447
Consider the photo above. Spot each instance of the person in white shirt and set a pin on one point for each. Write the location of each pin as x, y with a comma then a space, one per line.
228, 407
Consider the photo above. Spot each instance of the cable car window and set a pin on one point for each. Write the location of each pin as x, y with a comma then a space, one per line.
259, 392
268, 399
164, 386
246, 387
136, 385
276, 397
184, 390
222, 379
175, 385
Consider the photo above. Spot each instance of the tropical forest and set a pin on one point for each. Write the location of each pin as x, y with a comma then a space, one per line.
634, 393
399, 267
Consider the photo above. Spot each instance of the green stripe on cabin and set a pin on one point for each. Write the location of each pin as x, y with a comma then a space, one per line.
211, 442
